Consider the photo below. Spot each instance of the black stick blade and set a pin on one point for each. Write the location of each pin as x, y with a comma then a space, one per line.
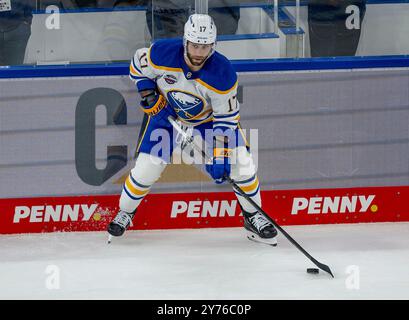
324, 267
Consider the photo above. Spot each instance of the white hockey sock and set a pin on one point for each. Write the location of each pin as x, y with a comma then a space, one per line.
146, 172
132, 194
251, 187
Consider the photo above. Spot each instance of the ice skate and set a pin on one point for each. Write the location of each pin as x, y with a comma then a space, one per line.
259, 229
120, 223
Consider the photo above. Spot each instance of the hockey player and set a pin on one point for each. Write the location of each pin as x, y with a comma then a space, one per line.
196, 85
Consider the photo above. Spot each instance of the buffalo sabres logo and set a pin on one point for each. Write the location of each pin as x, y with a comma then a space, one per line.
170, 79
185, 104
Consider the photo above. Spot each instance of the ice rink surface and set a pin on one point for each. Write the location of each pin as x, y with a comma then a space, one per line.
369, 261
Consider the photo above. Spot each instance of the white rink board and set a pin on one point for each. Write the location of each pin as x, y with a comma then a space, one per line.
208, 264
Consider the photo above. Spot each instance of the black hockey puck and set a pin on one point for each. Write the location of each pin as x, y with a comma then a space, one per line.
313, 270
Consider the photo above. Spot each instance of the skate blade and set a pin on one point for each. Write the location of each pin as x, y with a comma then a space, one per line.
253, 237
109, 239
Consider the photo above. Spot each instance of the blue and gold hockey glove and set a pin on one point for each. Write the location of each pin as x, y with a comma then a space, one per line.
156, 106
220, 164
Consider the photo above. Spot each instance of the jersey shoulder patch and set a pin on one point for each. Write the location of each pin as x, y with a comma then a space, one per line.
164, 54
218, 74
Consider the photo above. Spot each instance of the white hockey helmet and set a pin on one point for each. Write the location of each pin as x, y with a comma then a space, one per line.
200, 29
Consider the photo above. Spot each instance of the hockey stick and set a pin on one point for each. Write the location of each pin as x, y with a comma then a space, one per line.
190, 141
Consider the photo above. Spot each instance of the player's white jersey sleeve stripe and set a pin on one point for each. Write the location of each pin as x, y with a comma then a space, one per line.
137, 78
225, 125
224, 128
231, 120
138, 71
226, 116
